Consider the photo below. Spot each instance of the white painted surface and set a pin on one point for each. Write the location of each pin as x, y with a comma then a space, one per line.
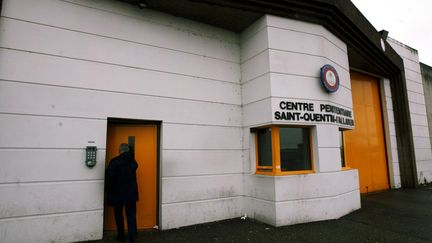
302, 211
66, 66
63, 72
287, 188
201, 162
66, 227
49, 198
27, 131
62, 101
184, 189
183, 214
190, 137
390, 134
307, 28
257, 113
260, 187
124, 21
417, 107
261, 210
25, 36
277, 70
255, 67
312, 201
328, 160
256, 89
30, 165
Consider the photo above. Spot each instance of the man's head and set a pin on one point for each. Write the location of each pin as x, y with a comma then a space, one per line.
124, 147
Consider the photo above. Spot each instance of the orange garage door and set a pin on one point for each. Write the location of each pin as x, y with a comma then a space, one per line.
365, 146
143, 140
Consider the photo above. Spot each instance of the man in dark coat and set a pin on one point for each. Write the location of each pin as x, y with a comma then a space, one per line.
122, 191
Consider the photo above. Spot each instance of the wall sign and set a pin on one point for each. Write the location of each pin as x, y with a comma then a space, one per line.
313, 112
329, 78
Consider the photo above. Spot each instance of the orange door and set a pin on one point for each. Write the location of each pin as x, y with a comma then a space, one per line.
365, 146
143, 140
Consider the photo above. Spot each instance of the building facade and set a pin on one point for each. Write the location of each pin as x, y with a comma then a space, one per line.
275, 111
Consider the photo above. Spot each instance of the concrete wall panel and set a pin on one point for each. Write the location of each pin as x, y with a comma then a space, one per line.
120, 21
309, 28
49, 132
183, 214
300, 42
301, 211
287, 188
81, 226
59, 101
256, 89
50, 198
38, 165
201, 162
25, 36
195, 188
191, 137
68, 73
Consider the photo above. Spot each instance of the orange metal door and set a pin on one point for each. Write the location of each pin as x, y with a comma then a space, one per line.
144, 140
364, 146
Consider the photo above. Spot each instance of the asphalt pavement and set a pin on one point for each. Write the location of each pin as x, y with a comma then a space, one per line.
403, 215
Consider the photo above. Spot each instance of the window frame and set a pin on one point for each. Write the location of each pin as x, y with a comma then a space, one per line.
276, 168
346, 167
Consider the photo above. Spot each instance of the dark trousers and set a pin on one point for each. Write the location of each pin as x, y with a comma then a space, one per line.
131, 220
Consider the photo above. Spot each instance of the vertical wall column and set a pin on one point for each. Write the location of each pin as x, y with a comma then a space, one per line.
413, 128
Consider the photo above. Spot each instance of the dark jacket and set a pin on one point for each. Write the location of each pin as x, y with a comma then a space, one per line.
120, 180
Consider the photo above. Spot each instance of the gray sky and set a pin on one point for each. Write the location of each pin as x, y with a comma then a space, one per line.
408, 21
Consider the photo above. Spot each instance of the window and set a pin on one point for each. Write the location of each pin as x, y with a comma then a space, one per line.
342, 149
295, 152
284, 150
264, 149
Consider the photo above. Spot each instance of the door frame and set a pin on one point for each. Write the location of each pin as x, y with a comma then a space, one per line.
158, 124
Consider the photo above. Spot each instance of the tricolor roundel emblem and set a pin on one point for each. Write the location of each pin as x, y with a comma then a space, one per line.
329, 78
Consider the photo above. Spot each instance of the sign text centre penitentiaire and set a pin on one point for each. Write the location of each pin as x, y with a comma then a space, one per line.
313, 112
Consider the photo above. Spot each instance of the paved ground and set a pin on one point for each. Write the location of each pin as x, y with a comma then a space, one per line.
393, 216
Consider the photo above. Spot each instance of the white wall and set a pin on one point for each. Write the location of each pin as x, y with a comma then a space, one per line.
281, 58
390, 134
66, 66
417, 105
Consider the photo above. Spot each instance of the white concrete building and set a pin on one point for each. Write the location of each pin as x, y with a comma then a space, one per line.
223, 103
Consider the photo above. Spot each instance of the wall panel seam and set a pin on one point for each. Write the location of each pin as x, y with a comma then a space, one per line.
124, 40
116, 64
243, 62
309, 33
28, 217
279, 97
202, 200
203, 149
104, 119
119, 92
414, 81
313, 55
140, 19
47, 148
413, 91
412, 70
202, 175
318, 198
54, 182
